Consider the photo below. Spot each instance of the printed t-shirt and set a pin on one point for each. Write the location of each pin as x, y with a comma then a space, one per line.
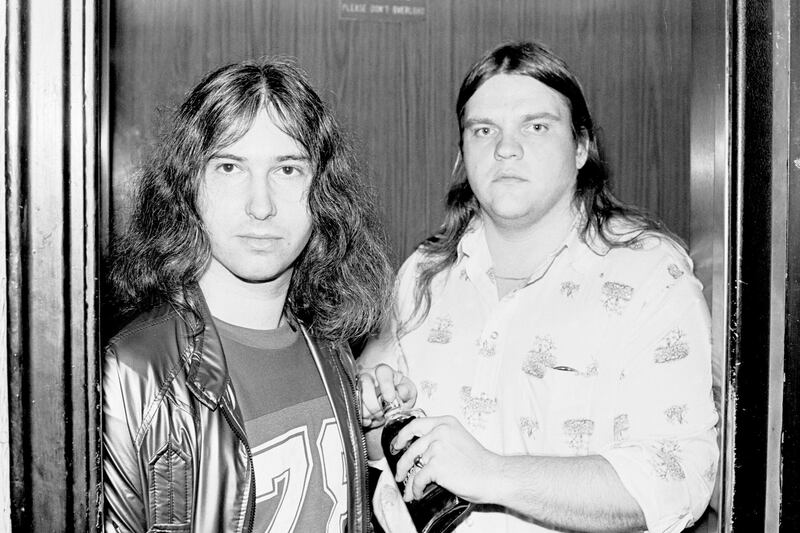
298, 458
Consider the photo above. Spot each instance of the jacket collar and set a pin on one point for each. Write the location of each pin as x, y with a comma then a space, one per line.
208, 369
207, 375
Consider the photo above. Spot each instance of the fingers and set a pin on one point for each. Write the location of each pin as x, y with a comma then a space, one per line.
406, 461
417, 467
420, 473
417, 428
406, 391
424, 477
393, 385
387, 380
382, 387
371, 409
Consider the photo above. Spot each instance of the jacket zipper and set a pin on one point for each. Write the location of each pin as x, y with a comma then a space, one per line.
363, 440
250, 509
359, 459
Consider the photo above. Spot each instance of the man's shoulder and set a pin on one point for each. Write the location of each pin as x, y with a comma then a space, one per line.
155, 337
652, 258
625, 240
649, 246
146, 323
143, 369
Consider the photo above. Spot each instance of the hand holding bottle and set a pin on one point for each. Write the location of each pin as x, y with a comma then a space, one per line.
441, 450
381, 387
433, 508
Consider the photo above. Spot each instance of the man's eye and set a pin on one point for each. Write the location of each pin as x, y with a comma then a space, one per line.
539, 128
482, 131
226, 168
289, 171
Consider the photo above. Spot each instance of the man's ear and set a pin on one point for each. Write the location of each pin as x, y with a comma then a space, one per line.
581, 150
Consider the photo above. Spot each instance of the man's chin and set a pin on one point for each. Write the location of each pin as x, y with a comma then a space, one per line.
511, 214
247, 272
260, 278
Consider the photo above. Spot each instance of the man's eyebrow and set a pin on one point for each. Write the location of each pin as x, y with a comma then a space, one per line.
294, 157
280, 158
225, 155
471, 121
542, 114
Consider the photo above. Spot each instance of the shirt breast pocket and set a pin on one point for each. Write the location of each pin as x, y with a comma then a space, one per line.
171, 486
567, 398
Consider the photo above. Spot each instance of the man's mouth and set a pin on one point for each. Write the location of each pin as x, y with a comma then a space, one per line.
259, 236
508, 176
260, 241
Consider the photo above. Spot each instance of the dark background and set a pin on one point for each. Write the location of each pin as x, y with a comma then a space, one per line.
393, 85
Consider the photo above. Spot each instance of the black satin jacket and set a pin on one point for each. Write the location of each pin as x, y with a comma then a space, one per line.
176, 456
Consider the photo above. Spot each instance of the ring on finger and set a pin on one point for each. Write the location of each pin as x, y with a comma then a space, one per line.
418, 462
411, 473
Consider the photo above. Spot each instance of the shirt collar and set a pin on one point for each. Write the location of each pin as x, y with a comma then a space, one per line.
473, 241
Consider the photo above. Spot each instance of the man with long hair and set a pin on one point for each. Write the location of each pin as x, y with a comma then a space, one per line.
558, 339
253, 256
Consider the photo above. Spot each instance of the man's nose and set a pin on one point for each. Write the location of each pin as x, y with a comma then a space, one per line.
507, 147
260, 202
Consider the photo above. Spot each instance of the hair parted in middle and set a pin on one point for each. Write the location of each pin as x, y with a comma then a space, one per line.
593, 194
342, 279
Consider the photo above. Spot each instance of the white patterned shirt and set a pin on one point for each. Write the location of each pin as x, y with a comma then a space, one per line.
598, 353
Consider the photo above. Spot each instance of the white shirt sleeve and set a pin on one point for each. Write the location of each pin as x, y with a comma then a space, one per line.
665, 449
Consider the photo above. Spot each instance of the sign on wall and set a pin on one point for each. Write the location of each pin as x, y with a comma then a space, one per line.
384, 10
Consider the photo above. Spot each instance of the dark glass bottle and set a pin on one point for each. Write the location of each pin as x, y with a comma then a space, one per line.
439, 510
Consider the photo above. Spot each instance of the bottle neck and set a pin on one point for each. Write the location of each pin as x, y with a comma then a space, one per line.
393, 412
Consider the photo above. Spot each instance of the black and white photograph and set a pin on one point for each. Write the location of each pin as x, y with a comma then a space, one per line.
400, 266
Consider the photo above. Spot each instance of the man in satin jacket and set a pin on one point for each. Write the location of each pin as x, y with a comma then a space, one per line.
253, 255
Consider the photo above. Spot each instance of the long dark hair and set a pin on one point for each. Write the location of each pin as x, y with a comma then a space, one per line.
592, 192
341, 280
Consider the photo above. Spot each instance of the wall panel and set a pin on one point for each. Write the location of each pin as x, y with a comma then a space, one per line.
393, 84
51, 347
